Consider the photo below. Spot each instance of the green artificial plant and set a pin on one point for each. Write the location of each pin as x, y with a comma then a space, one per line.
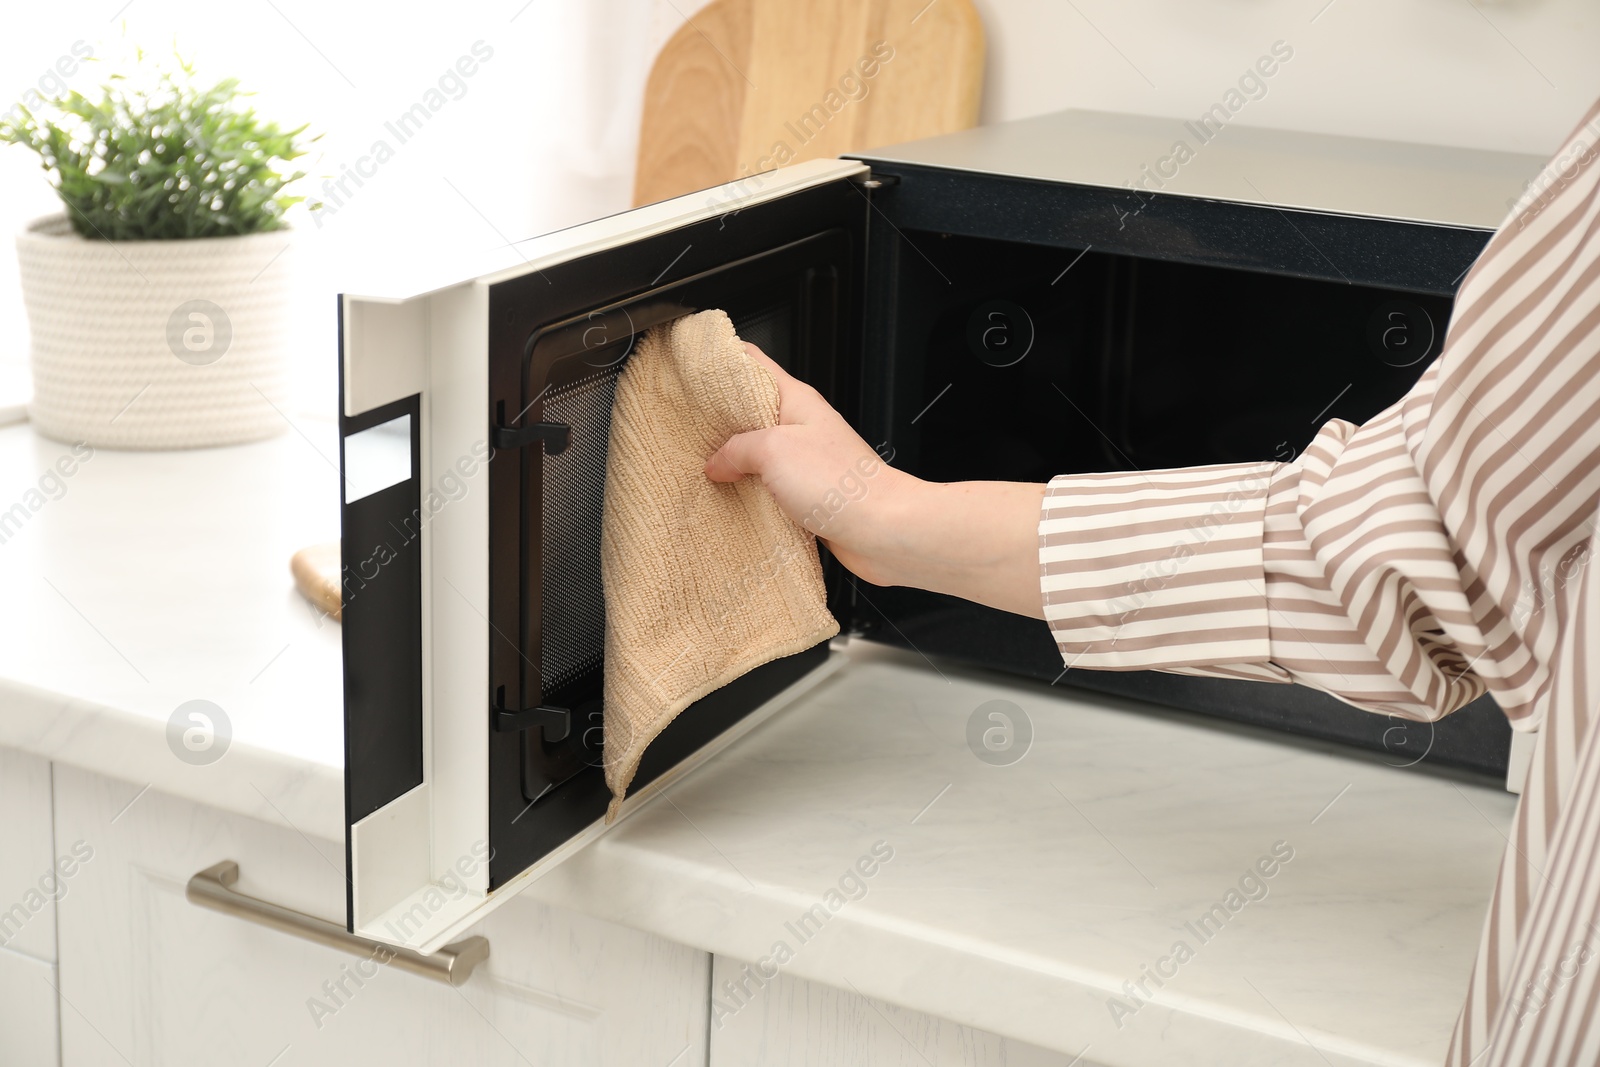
166, 162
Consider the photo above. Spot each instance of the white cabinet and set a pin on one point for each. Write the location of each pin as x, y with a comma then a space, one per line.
29, 887
789, 1022
28, 1006
148, 978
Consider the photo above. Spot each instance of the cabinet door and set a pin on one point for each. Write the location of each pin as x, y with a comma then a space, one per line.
789, 1022
29, 888
148, 978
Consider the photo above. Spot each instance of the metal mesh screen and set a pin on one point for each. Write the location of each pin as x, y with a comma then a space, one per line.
770, 329
573, 614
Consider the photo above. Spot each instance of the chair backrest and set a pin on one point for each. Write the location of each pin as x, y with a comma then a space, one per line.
748, 85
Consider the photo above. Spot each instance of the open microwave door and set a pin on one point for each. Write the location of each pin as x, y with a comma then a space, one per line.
474, 418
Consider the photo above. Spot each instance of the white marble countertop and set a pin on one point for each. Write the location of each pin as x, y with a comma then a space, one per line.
1019, 899
147, 579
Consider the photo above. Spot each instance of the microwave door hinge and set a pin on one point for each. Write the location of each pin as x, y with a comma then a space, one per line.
556, 723
555, 435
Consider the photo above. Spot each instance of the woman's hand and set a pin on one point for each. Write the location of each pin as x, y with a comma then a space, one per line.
977, 540
821, 473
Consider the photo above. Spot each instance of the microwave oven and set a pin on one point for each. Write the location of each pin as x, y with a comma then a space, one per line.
1012, 302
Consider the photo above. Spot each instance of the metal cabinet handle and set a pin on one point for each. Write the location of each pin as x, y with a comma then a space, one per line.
213, 888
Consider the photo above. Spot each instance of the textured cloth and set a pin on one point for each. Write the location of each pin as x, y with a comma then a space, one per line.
703, 580
1407, 566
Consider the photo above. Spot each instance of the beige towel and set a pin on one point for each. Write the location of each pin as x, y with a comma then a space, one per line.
703, 581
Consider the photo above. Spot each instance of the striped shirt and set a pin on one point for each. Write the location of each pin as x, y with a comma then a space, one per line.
1406, 566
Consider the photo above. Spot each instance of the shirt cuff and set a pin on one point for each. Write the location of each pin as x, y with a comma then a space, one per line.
1156, 569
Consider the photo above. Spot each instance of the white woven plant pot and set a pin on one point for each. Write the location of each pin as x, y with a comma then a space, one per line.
155, 344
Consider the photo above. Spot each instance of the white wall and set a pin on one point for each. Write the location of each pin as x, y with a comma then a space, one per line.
1514, 75
544, 134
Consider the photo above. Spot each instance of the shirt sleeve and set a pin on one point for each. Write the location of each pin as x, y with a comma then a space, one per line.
1161, 569
1335, 571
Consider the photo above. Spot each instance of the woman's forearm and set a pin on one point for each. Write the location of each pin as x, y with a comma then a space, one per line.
975, 540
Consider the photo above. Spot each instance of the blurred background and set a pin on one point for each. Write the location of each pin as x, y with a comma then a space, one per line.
543, 135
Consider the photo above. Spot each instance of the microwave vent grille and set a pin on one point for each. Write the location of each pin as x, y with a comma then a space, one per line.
770, 329
572, 619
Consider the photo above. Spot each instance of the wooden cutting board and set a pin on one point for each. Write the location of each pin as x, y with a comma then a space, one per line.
747, 85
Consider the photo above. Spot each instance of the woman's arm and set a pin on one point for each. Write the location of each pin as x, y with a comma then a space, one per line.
1202, 570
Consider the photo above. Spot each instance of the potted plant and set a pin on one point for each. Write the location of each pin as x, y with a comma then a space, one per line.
158, 301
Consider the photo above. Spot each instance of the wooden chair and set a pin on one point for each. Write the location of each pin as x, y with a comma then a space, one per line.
747, 85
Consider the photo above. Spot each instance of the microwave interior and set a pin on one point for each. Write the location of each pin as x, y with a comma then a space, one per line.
1127, 363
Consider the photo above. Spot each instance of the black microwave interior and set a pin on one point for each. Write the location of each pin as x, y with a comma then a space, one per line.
1010, 360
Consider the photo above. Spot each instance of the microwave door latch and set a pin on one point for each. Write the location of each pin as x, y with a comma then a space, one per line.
556, 723
555, 435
